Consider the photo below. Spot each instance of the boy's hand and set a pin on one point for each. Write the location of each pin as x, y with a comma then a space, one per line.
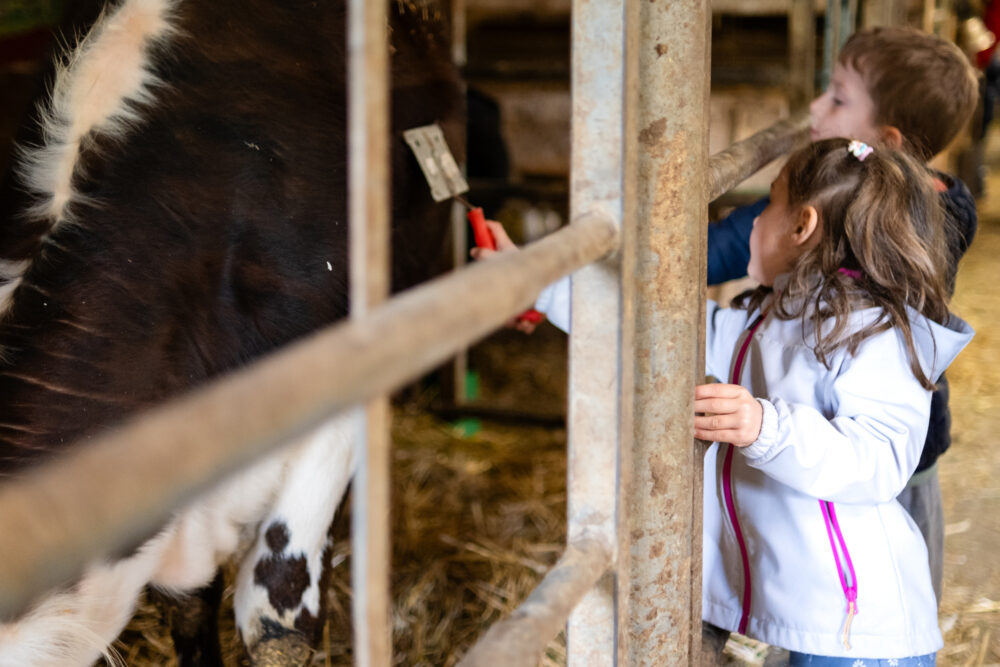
726, 413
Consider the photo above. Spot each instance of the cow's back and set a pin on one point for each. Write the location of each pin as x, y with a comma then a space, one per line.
207, 223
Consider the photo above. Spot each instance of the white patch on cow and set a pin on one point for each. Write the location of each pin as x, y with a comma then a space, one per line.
316, 478
98, 88
77, 626
302, 482
10, 277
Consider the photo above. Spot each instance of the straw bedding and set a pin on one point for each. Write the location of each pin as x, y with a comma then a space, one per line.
477, 520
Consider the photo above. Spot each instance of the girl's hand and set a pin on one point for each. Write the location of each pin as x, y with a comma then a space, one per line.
726, 413
503, 244
500, 238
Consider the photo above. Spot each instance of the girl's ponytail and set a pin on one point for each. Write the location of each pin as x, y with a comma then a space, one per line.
883, 244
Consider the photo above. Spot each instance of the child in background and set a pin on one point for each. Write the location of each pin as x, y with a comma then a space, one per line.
832, 362
914, 91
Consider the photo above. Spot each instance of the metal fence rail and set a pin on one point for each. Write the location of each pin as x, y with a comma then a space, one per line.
730, 167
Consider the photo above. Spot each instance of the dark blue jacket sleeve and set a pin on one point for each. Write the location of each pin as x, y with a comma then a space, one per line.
729, 243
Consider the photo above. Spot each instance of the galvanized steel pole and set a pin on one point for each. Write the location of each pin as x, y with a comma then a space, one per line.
600, 383
664, 506
368, 198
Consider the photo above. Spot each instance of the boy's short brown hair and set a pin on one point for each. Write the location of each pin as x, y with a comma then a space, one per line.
921, 84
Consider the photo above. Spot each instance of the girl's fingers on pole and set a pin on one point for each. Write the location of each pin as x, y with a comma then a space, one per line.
725, 435
715, 422
718, 390
715, 405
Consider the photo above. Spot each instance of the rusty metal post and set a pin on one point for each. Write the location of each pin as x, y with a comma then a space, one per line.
664, 505
600, 375
368, 117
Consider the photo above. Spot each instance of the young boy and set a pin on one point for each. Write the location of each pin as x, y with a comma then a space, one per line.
908, 89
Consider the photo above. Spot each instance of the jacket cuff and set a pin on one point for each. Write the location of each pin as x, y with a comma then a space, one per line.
768, 432
554, 302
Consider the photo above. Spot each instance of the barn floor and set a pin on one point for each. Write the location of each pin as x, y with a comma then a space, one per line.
970, 471
479, 506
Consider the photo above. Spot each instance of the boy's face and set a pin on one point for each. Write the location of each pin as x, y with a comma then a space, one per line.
845, 109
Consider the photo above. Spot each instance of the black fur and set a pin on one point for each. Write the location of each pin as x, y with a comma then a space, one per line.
204, 235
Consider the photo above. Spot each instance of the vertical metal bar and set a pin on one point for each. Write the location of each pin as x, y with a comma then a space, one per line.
459, 365
664, 506
927, 19
459, 25
831, 39
801, 53
883, 12
368, 115
848, 21
600, 392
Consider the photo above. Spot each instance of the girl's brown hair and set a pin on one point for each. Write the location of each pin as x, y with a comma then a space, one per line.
882, 221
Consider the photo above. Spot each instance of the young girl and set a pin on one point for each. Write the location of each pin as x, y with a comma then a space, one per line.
831, 362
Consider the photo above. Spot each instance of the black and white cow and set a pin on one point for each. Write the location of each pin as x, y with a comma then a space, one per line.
181, 211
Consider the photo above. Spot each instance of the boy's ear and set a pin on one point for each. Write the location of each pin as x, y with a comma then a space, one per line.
891, 136
805, 225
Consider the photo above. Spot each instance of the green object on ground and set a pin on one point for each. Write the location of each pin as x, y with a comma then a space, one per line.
467, 427
471, 385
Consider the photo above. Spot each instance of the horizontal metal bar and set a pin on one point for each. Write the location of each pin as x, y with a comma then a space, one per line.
760, 7
730, 167
105, 496
521, 638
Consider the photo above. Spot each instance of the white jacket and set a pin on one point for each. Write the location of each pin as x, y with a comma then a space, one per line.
851, 435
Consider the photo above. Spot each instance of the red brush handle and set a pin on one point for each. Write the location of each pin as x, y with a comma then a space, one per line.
484, 239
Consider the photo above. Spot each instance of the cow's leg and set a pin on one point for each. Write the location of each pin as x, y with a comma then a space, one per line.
194, 623
278, 601
76, 626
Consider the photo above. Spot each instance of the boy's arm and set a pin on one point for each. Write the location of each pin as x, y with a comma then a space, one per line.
729, 243
962, 219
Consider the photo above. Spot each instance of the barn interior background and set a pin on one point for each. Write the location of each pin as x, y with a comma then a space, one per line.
479, 464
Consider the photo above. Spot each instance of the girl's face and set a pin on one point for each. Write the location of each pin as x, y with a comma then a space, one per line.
773, 246
845, 109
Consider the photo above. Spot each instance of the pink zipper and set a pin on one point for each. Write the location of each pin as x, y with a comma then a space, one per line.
727, 484
850, 588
